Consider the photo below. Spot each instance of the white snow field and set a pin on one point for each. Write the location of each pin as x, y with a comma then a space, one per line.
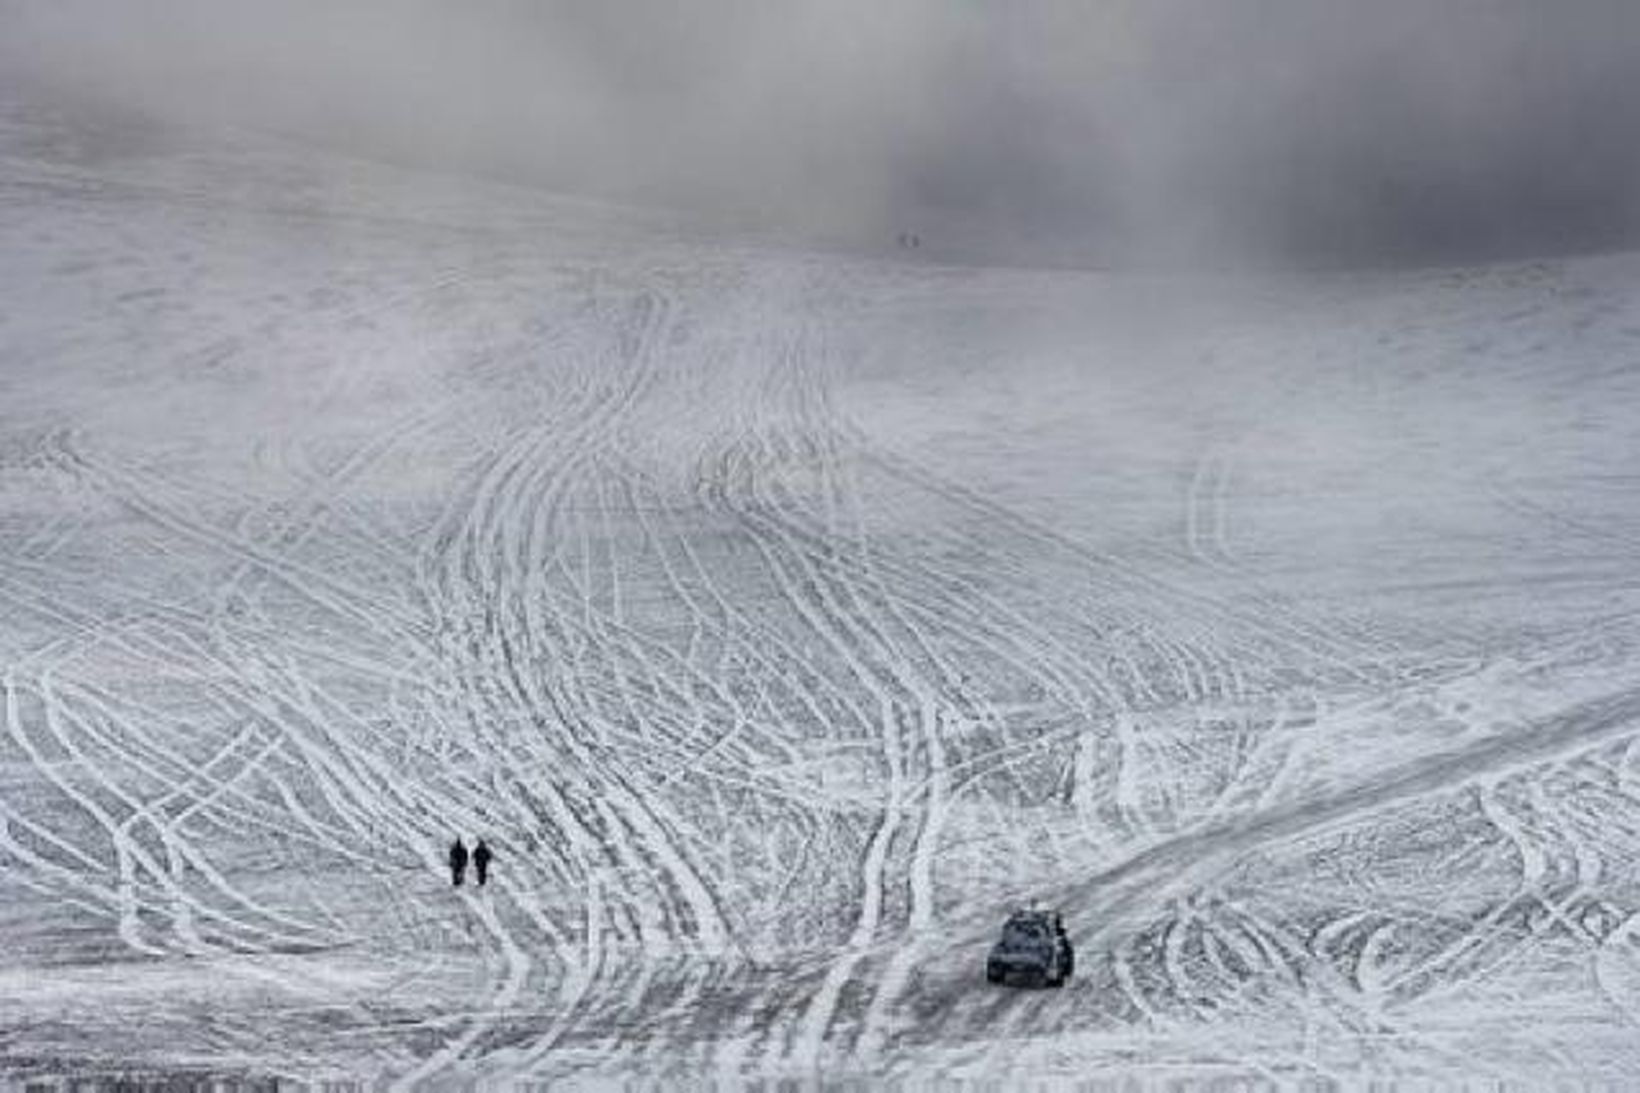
783, 619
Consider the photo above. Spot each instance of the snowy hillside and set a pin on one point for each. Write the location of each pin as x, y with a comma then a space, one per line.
782, 620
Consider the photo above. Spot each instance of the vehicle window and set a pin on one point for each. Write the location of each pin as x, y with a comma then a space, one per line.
1023, 934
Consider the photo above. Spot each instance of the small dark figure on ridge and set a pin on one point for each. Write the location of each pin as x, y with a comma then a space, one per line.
481, 861
458, 862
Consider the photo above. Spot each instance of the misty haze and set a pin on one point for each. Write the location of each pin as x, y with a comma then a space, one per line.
934, 543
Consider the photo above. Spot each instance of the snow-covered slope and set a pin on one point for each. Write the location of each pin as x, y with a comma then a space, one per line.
782, 620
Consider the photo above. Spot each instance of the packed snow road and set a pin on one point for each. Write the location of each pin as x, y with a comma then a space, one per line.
782, 621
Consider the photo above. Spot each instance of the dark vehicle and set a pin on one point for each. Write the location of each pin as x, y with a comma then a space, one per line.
1032, 950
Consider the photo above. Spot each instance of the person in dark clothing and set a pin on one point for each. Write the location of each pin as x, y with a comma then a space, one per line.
458, 862
481, 862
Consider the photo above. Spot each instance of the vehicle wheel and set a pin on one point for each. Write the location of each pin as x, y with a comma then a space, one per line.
992, 975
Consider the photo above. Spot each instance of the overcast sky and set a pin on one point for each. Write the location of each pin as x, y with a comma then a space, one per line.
1110, 131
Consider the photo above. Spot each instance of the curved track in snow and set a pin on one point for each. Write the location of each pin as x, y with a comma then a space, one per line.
779, 639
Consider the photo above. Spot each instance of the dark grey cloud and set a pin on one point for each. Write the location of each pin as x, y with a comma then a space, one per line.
1101, 132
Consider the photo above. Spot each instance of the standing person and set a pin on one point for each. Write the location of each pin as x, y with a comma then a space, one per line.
458, 861
481, 862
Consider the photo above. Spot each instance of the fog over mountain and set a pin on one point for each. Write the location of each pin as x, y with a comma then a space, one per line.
516, 573
1315, 131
